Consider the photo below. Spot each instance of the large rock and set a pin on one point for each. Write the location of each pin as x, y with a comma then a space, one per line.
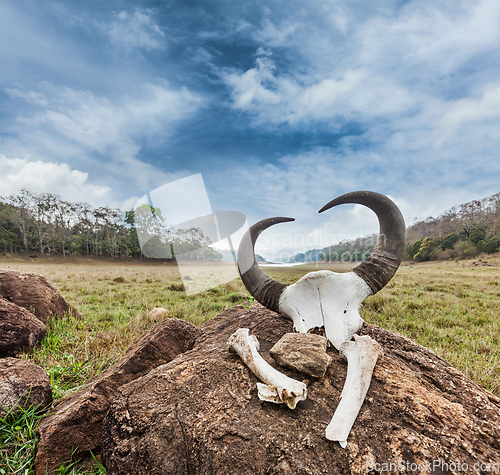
304, 352
34, 293
200, 413
77, 421
22, 384
20, 330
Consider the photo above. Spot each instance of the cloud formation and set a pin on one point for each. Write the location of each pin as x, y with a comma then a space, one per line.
41, 177
135, 30
280, 105
74, 123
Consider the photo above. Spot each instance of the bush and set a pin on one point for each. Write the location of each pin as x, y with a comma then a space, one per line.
176, 287
477, 234
449, 241
492, 245
421, 250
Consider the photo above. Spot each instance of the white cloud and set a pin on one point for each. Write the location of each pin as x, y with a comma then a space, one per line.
80, 124
438, 36
31, 97
357, 95
40, 177
249, 88
467, 110
100, 124
395, 63
134, 31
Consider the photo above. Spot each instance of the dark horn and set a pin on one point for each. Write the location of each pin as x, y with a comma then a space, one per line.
265, 290
385, 258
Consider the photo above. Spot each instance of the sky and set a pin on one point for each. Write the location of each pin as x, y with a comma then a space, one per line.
281, 106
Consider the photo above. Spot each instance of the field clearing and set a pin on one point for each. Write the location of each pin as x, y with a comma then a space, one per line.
452, 308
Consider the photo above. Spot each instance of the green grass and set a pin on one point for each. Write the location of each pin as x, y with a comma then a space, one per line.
453, 309
18, 441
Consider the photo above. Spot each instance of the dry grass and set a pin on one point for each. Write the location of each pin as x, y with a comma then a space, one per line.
115, 299
451, 308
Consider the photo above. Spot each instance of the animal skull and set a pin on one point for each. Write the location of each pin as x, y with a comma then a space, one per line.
332, 300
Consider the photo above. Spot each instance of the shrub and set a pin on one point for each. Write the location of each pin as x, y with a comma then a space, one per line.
477, 234
449, 241
492, 245
423, 249
176, 287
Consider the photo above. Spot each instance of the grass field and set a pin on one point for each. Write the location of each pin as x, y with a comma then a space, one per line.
452, 308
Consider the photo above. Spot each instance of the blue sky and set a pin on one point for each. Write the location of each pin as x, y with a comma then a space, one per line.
281, 105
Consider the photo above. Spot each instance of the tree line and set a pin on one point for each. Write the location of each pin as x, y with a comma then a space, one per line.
463, 231
45, 224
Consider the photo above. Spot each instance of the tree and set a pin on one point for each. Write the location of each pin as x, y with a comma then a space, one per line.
492, 245
42, 209
477, 234
20, 214
449, 241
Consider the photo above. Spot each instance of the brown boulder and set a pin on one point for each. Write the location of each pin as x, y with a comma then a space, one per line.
20, 330
200, 413
34, 293
22, 384
77, 420
304, 352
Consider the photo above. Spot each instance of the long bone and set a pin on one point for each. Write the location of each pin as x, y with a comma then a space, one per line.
361, 355
326, 298
279, 388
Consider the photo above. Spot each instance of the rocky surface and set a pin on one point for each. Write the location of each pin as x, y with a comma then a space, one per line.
34, 293
304, 352
77, 421
22, 384
20, 330
199, 414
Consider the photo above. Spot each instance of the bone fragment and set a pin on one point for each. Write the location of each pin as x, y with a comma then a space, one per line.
361, 355
278, 388
304, 352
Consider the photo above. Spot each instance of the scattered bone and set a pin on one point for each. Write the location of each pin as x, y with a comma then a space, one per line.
304, 352
278, 388
361, 355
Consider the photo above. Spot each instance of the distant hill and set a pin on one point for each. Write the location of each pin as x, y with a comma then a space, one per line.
346, 251
463, 231
309, 256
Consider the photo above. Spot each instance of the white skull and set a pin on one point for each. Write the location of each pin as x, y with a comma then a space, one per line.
326, 299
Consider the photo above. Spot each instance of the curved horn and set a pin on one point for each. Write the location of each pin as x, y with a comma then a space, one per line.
385, 258
265, 290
